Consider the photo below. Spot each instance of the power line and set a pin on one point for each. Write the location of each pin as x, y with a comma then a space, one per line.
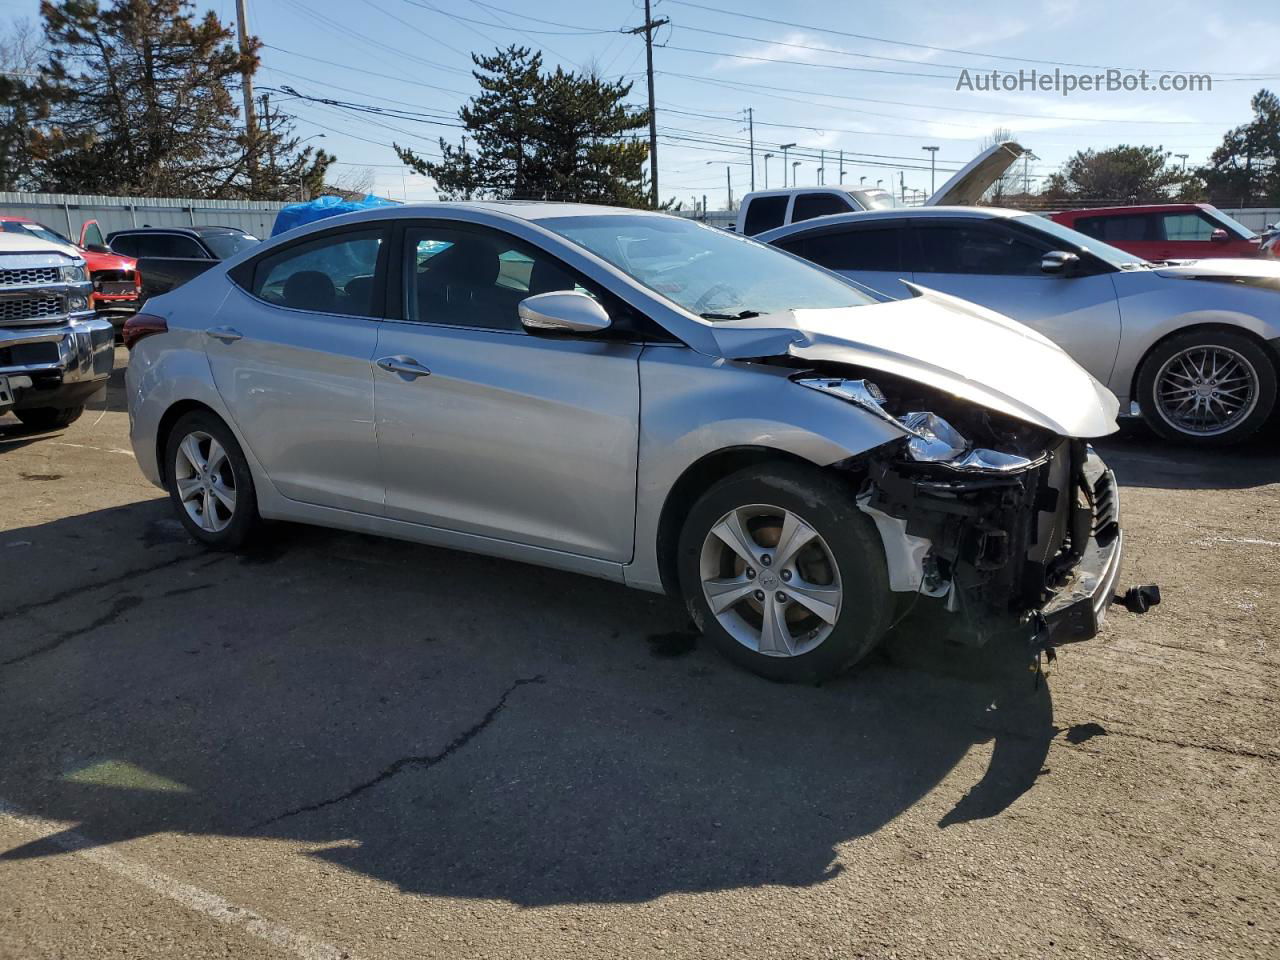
925, 46
930, 106
802, 63
367, 73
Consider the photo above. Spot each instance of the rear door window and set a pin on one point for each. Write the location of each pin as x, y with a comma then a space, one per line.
976, 248
172, 245
336, 274
863, 249
765, 213
810, 205
1124, 228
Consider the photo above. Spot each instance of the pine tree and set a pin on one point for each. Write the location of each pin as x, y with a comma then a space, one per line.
544, 136
1245, 169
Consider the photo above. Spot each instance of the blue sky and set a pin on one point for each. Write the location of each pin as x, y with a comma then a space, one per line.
879, 100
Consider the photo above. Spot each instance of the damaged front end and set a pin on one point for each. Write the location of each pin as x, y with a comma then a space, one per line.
1005, 523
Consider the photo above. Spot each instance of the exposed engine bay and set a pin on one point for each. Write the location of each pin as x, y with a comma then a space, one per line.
991, 516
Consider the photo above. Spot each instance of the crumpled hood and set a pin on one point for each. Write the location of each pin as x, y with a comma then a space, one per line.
946, 343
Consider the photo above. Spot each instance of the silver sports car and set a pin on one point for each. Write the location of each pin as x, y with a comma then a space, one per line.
637, 397
1193, 347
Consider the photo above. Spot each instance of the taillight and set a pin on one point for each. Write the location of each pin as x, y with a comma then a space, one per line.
142, 325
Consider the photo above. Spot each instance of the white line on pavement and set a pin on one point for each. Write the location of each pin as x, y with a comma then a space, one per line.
89, 446
193, 898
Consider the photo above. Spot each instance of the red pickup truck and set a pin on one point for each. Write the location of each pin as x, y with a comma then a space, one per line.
116, 284
1165, 231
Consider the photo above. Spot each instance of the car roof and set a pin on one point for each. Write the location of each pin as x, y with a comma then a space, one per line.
199, 231
1138, 208
896, 213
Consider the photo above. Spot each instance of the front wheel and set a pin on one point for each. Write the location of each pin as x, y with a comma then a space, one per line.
783, 572
1207, 387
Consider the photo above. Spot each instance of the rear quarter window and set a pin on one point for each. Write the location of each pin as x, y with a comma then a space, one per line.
765, 213
810, 205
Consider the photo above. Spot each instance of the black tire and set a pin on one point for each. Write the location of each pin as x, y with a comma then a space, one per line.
826, 503
1262, 364
244, 520
49, 418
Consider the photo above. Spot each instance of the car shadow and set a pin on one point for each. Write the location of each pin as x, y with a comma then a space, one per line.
1141, 459
14, 434
461, 726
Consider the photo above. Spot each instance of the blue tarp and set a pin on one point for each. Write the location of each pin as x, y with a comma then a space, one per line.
296, 214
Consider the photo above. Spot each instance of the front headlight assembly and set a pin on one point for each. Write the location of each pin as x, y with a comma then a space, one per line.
932, 439
74, 273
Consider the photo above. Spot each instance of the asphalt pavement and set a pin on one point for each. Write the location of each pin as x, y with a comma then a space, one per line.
340, 746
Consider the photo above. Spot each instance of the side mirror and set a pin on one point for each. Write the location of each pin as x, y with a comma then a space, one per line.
1060, 262
1219, 235
97, 248
563, 312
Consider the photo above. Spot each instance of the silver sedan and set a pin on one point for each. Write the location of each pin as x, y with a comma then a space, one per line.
637, 397
1193, 347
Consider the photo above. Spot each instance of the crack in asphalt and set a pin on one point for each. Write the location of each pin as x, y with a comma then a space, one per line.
425, 760
14, 612
121, 605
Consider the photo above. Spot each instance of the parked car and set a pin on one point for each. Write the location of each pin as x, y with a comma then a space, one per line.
764, 210
1192, 348
170, 256
116, 286
54, 353
812, 460
1165, 231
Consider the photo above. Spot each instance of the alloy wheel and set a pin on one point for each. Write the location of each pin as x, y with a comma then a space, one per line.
1206, 391
770, 580
205, 481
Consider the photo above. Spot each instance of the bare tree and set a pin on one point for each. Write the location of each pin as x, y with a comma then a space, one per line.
350, 183
21, 53
1011, 183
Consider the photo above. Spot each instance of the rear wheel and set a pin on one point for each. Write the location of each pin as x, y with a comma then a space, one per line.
49, 418
1207, 387
782, 571
209, 482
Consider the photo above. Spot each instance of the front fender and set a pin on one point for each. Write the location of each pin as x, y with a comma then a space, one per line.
692, 406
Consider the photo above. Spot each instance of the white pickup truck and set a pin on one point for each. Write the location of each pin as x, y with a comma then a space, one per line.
54, 353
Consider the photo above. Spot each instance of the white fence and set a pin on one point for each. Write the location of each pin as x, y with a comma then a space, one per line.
1255, 218
66, 213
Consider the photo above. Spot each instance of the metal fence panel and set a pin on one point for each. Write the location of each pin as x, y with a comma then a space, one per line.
67, 213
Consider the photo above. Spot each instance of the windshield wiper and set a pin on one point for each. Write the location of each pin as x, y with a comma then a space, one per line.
743, 315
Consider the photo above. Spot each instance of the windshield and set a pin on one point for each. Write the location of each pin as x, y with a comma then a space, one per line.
712, 273
36, 230
225, 245
878, 199
1232, 224
1075, 240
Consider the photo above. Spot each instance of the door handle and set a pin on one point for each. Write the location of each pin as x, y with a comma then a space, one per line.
225, 334
405, 366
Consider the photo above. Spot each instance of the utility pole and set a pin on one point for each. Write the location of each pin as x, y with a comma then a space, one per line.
1183, 158
842, 166
751, 140
822, 166
785, 148
902, 182
728, 185
250, 120
647, 29
271, 147
933, 156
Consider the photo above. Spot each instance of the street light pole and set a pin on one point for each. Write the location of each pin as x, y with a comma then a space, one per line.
785, 148
795, 165
1183, 158
822, 166
933, 170
842, 166
767, 158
